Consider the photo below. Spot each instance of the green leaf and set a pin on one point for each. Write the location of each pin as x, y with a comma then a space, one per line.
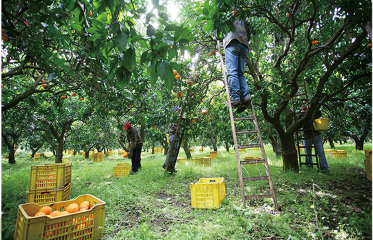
162, 69
149, 16
115, 27
121, 41
205, 11
175, 66
123, 76
76, 27
169, 79
162, 47
151, 70
163, 16
144, 57
172, 27
150, 31
130, 58
92, 30
209, 27
184, 41
171, 54
155, 3
153, 78
136, 38
94, 37
34, 7
110, 5
102, 17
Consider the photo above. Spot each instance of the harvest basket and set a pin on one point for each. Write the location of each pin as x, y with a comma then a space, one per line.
80, 225
50, 195
121, 170
321, 124
50, 176
207, 193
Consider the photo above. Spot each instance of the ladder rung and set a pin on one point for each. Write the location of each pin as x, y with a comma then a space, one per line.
259, 196
246, 131
253, 161
249, 146
255, 178
243, 118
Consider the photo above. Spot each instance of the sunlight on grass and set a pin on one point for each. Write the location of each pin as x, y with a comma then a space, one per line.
154, 205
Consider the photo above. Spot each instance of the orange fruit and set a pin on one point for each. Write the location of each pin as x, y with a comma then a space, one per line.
130, 106
63, 213
81, 99
85, 203
178, 93
42, 80
288, 15
181, 95
212, 115
213, 51
369, 46
177, 76
210, 53
210, 119
195, 75
46, 209
72, 208
83, 209
54, 213
235, 13
119, 139
315, 42
44, 85
40, 214
5, 38
190, 83
26, 23
89, 13
193, 120
201, 100
175, 72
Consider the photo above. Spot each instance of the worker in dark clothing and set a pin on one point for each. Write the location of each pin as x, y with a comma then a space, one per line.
307, 133
236, 45
135, 147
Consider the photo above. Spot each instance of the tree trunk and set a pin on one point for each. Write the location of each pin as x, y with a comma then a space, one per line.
290, 157
276, 146
59, 152
186, 149
359, 142
227, 146
214, 143
165, 146
331, 142
12, 152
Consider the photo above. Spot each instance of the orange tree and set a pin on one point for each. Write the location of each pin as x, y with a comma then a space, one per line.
293, 42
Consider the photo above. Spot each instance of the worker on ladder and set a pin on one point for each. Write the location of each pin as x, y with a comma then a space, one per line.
236, 47
308, 128
171, 138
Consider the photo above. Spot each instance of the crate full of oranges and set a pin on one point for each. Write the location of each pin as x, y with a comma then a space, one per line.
80, 218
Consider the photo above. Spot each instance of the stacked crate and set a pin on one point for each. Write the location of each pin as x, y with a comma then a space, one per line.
122, 170
37, 157
207, 192
98, 157
213, 155
50, 183
85, 225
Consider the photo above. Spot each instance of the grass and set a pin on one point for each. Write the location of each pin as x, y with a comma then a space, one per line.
151, 205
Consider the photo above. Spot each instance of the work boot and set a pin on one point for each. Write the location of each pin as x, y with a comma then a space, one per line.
246, 100
236, 103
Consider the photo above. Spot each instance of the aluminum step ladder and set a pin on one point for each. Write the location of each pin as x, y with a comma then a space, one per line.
302, 98
251, 163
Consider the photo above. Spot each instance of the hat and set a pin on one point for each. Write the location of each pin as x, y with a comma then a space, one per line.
126, 126
175, 108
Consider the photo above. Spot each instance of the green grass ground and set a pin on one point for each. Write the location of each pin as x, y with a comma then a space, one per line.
151, 205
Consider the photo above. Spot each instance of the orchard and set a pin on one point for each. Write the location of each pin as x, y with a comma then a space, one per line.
74, 72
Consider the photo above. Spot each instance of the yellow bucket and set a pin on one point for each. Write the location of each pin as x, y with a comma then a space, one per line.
321, 124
